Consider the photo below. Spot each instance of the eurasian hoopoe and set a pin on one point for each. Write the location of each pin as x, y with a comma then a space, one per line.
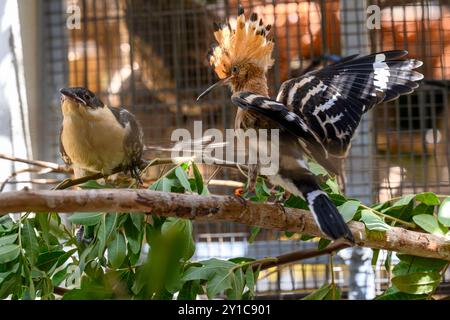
317, 113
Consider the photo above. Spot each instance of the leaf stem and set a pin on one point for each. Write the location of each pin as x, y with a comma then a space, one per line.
437, 195
407, 224
251, 263
332, 269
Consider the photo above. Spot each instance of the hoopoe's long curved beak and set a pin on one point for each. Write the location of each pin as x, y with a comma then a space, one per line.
220, 83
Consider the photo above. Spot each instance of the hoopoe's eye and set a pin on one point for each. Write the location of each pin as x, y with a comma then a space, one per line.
234, 70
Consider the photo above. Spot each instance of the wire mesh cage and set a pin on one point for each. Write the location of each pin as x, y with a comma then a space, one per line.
149, 56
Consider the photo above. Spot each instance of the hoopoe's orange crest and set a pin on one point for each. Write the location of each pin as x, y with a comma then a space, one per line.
246, 42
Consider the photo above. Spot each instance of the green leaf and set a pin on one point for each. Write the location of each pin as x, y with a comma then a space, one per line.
8, 239
30, 241
10, 286
444, 212
253, 234
348, 209
323, 243
306, 237
296, 202
388, 261
134, 237
60, 276
376, 253
190, 290
428, 223
9, 253
219, 283
289, 234
218, 274
320, 293
334, 293
101, 236
86, 218
410, 264
207, 269
181, 229
164, 184
261, 189
138, 219
373, 222
422, 208
393, 294
334, 187
198, 178
317, 169
48, 260
6, 223
43, 224
93, 184
183, 178
117, 251
111, 222
417, 283
338, 199
428, 198
403, 201
237, 285
250, 280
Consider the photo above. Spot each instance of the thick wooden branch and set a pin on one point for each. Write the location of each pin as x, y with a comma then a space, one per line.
216, 208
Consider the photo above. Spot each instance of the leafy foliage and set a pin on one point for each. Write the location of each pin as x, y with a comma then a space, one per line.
142, 256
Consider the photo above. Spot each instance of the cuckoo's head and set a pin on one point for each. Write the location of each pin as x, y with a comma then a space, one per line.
243, 52
81, 97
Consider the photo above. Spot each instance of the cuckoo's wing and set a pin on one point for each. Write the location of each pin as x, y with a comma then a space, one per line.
133, 142
62, 151
332, 100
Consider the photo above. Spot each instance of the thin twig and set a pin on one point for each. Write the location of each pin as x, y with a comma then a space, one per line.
43, 164
12, 176
213, 175
304, 254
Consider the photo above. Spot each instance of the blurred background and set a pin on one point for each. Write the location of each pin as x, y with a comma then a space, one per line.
150, 57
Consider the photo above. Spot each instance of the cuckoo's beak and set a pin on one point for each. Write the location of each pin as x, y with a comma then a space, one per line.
219, 83
71, 94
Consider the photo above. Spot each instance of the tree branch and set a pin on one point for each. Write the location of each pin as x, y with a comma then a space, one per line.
302, 255
216, 208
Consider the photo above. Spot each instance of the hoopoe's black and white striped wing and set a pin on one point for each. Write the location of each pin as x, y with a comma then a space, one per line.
332, 100
293, 174
285, 120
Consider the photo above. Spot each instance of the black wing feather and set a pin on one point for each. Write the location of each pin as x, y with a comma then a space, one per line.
332, 100
287, 121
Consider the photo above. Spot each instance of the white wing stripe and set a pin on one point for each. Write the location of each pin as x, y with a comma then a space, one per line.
327, 105
381, 71
321, 87
295, 88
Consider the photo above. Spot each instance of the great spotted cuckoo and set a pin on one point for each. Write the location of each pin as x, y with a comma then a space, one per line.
96, 138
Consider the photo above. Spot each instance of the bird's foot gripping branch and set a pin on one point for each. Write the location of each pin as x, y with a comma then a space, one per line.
40, 256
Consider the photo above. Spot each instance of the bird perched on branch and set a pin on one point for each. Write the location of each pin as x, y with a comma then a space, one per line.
317, 113
96, 138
